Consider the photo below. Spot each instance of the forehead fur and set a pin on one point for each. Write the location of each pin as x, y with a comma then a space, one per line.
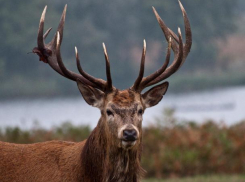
124, 97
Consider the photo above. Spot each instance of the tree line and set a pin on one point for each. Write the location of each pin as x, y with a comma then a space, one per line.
122, 25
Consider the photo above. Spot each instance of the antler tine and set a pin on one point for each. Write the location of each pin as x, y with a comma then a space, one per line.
52, 45
46, 33
165, 30
176, 38
108, 70
142, 67
99, 82
61, 24
40, 41
188, 34
173, 67
67, 73
59, 59
60, 29
154, 75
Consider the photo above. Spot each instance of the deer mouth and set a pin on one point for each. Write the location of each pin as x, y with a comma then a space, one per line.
128, 143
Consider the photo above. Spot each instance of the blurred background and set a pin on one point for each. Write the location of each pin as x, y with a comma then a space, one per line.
197, 129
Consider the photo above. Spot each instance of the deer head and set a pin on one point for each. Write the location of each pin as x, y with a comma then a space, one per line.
121, 111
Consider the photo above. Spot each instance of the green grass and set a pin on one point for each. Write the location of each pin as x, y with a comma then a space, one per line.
225, 178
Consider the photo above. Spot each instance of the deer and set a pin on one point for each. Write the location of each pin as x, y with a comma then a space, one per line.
112, 152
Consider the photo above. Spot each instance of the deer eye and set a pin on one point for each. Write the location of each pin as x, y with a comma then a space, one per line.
140, 111
109, 113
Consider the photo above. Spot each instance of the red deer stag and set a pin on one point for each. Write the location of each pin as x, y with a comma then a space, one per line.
112, 152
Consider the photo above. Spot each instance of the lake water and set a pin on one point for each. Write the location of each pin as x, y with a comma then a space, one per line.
224, 106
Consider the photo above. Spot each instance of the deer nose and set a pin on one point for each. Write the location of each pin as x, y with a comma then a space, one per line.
130, 135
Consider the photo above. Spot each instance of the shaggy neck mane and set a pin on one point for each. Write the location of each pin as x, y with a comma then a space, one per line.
105, 162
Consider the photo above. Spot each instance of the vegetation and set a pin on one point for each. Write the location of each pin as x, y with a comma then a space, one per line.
171, 149
122, 25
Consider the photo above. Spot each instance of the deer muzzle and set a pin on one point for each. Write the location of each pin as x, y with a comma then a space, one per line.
128, 135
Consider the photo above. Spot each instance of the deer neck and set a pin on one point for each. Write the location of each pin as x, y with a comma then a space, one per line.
105, 162
124, 165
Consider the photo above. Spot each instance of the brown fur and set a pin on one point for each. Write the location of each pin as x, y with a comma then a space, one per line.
54, 161
106, 165
124, 97
97, 159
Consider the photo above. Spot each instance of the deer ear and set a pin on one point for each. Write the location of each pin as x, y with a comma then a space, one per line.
153, 96
91, 95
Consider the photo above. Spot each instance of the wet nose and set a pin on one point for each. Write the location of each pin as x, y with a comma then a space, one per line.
130, 135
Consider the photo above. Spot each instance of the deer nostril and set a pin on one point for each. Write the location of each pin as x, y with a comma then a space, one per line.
130, 135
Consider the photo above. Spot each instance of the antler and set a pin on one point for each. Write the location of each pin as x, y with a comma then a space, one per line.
50, 53
180, 50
